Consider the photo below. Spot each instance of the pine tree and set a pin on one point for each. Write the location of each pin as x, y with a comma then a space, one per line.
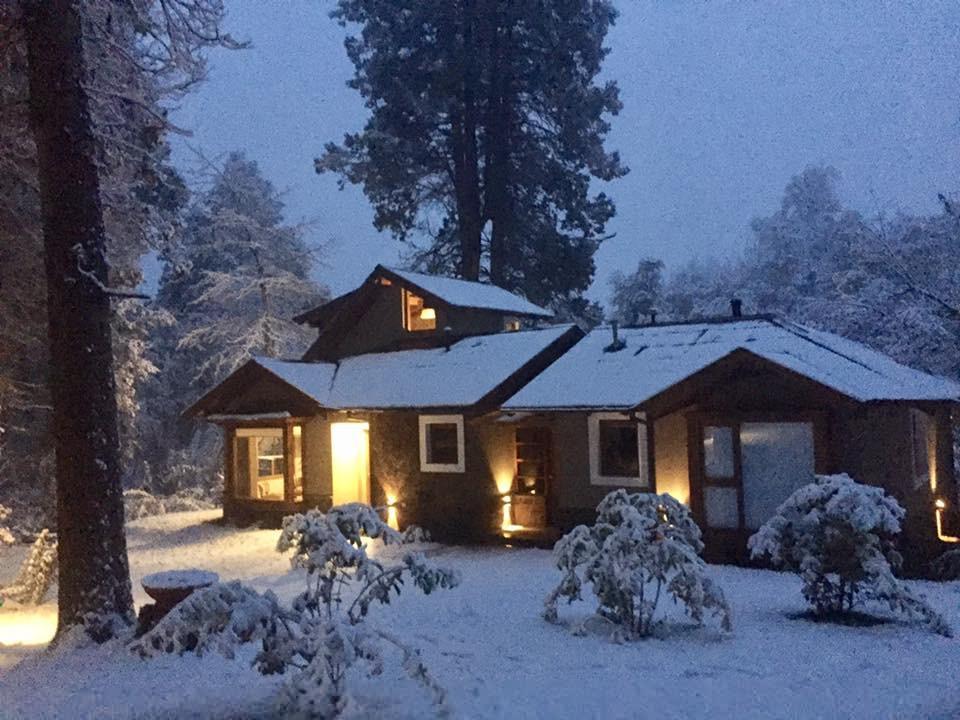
486, 128
97, 71
94, 586
637, 295
231, 289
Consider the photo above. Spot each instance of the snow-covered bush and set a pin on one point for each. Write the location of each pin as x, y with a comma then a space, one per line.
37, 573
213, 619
139, 504
641, 547
839, 537
328, 637
947, 566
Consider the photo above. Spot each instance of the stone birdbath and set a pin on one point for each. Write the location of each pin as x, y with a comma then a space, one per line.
168, 589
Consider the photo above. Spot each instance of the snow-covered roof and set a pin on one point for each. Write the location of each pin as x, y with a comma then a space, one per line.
464, 293
659, 356
459, 376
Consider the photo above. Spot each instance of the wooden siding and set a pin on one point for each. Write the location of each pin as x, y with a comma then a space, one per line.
373, 322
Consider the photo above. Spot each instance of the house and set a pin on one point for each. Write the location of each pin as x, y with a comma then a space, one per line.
443, 401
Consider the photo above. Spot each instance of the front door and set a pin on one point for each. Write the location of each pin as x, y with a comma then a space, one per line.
747, 468
350, 461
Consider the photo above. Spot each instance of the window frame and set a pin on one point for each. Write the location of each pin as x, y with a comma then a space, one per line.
642, 479
424, 421
408, 323
292, 491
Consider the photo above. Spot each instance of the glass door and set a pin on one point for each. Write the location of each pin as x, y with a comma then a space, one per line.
721, 477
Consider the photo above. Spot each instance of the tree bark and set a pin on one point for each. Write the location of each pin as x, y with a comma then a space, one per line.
498, 126
466, 159
94, 578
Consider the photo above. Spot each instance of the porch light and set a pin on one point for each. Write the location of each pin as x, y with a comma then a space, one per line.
392, 520
428, 314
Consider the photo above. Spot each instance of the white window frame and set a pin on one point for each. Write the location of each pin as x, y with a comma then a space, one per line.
427, 420
642, 480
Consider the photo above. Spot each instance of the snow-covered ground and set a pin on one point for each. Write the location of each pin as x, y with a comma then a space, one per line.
485, 641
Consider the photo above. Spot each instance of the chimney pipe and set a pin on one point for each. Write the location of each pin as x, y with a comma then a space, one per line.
736, 307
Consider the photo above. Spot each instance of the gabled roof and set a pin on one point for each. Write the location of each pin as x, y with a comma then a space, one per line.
468, 294
462, 375
459, 293
658, 357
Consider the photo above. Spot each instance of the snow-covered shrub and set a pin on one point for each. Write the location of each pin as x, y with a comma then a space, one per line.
37, 573
947, 566
641, 547
328, 637
139, 504
839, 537
213, 619
6, 534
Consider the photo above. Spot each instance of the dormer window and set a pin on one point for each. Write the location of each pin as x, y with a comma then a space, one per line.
416, 316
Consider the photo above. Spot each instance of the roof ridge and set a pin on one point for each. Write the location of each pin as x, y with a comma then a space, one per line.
783, 325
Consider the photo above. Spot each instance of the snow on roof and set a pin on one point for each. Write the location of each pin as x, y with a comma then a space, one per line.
436, 377
464, 293
659, 356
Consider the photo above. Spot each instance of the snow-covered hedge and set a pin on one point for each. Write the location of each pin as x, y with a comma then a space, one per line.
641, 547
140, 503
212, 619
839, 537
947, 566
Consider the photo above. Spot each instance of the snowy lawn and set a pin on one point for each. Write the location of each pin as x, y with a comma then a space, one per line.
486, 643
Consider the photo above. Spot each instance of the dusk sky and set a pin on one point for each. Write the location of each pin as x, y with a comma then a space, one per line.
723, 102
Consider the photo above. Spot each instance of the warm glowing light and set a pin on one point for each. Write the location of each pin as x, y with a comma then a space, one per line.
392, 519
350, 460
507, 519
28, 627
428, 314
504, 480
940, 504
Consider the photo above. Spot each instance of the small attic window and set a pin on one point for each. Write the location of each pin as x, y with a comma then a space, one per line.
511, 324
416, 315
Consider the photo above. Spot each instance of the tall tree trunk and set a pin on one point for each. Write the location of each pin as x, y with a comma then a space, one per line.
94, 578
497, 206
466, 158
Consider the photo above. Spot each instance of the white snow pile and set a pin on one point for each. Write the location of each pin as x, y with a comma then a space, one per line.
641, 547
839, 537
139, 504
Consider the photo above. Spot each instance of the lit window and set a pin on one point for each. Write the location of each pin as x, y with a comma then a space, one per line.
618, 450
441, 443
511, 324
416, 316
260, 463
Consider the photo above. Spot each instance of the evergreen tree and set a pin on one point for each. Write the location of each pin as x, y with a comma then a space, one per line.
487, 125
230, 289
637, 295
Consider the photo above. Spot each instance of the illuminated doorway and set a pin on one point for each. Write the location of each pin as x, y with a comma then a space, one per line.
350, 443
